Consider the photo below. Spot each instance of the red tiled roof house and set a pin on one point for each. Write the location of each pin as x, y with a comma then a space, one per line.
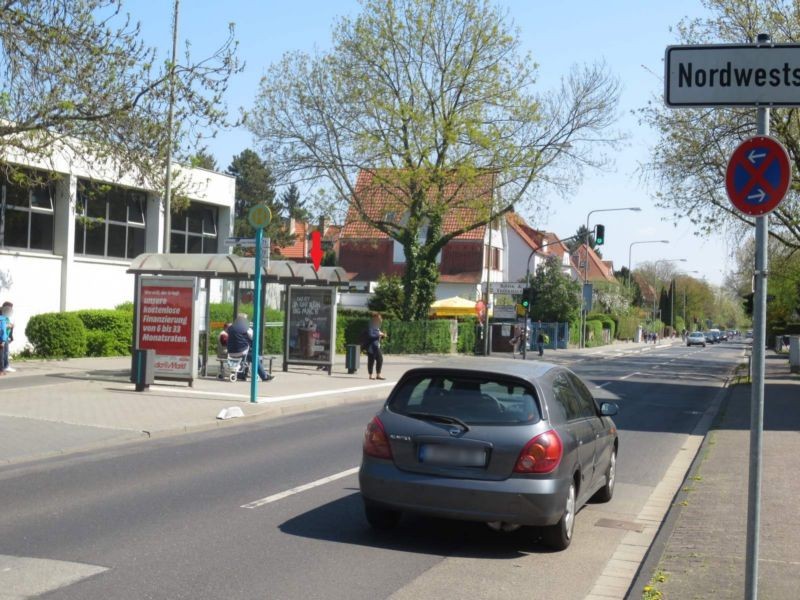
366, 253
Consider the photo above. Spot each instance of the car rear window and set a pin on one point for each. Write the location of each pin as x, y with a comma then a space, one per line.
474, 400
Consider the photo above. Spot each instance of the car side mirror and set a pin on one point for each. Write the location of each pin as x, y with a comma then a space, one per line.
608, 409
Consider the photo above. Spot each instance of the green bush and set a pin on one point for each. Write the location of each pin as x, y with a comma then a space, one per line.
467, 337
116, 324
417, 337
626, 327
594, 334
57, 335
349, 327
102, 343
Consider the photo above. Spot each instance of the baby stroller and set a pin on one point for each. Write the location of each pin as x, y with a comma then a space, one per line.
235, 367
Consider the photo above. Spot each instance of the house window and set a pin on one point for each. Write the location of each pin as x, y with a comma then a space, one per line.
194, 231
493, 257
110, 221
26, 216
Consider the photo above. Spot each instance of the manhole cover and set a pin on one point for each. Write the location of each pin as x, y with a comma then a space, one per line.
618, 524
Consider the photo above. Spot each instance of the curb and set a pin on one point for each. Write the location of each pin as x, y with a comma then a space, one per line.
656, 551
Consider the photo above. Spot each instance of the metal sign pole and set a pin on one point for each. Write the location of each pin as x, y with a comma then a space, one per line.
757, 388
256, 349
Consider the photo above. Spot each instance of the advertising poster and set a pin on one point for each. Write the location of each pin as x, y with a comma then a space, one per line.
166, 324
311, 335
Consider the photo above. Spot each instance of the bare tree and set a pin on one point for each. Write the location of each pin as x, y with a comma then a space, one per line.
75, 75
429, 97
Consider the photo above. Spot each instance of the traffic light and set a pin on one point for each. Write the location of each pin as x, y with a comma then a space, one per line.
600, 235
526, 298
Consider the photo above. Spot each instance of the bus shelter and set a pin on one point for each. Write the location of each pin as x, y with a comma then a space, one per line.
160, 281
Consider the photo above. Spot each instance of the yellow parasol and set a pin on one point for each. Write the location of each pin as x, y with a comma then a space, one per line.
453, 307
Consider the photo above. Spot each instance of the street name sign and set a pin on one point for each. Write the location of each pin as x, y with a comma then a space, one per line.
732, 75
506, 287
243, 242
758, 175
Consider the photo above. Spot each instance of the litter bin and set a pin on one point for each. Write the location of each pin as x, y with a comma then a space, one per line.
352, 358
142, 368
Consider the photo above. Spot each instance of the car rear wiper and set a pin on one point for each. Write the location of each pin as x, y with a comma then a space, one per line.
423, 416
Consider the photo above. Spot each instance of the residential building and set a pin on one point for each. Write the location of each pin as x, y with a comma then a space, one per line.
66, 244
596, 270
465, 262
524, 240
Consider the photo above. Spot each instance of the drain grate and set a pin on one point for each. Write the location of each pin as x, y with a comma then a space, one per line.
618, 524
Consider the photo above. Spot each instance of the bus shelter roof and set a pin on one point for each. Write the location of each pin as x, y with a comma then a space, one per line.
232, 266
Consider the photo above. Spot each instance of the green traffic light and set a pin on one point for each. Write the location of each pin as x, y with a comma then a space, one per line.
525, 303
600, 235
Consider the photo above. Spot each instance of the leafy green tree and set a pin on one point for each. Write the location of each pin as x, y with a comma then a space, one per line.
204, 160
580, 239
292, 205
558, 297
76, 75
255, 184
689, 161
388, 297
430, 97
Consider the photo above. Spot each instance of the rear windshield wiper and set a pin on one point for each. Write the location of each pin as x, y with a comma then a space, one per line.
423, 416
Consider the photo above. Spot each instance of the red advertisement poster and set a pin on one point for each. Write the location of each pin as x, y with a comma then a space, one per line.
166, 322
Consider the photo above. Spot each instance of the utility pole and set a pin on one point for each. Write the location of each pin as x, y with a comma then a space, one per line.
170, 119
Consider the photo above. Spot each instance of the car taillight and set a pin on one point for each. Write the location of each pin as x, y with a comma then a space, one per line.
541, 455
376, 444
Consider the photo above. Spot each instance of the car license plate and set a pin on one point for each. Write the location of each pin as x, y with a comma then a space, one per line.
439, 454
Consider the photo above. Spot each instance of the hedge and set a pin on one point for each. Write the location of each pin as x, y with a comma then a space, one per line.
57, 335
467, 336
416, 337
594, 334
627, 326
109, 331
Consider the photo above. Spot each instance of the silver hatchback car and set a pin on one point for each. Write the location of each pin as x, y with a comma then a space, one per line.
512, 444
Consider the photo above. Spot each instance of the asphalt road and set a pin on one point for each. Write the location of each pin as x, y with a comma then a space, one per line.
164, 518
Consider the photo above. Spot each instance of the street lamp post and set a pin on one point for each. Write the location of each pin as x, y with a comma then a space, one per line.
655, 281
586, 263
630, 250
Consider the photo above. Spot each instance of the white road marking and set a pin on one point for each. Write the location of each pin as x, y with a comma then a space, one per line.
300, 488
629, 375
269, 399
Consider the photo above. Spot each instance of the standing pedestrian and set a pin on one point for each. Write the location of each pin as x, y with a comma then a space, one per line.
540, 341
7, 315
373, 336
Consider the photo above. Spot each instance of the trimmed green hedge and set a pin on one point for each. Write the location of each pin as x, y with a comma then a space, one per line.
467, 336
416, 337
626, 327
109, 331
594, 334
57, 335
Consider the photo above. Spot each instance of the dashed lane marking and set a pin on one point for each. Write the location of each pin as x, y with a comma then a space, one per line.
299, 489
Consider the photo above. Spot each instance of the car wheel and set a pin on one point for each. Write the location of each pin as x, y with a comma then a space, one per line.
559, 536
605, 493
381, 518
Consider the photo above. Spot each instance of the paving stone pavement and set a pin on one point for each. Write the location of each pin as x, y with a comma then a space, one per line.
705, 555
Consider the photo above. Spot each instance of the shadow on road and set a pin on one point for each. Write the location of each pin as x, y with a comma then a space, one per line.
343, 521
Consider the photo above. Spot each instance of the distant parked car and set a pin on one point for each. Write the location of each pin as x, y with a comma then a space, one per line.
749, 333
696, 338
509, 443
711, 338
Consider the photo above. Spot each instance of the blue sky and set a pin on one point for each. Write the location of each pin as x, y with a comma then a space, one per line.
630, 35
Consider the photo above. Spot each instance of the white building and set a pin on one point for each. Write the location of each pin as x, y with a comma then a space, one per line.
66, 246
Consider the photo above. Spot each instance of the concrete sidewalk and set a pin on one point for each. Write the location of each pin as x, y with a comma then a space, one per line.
56, 406
705, 537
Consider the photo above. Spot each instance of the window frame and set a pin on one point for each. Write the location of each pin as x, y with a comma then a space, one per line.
584, 395
116, 194
577, 416
192, 236
29, 210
